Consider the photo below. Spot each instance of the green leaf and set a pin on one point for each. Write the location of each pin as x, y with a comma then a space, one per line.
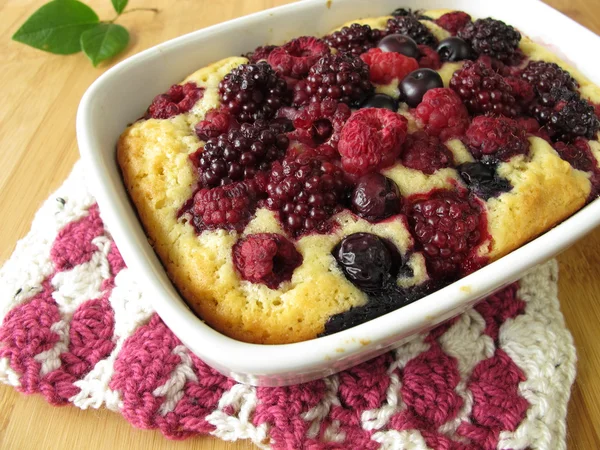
119, 5
57, 26
104, 41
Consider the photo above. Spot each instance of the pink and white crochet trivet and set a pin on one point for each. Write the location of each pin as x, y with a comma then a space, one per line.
77, 329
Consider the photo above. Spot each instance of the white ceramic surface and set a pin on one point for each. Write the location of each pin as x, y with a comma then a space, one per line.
120, 96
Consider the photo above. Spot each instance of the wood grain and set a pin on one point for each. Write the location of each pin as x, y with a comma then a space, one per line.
40, 94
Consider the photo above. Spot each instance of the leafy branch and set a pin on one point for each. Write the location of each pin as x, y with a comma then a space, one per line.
64, 27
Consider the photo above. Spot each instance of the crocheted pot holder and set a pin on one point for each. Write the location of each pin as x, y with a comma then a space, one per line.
77, 329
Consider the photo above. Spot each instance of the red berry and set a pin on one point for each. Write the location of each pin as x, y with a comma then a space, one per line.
260, 53
425, 153
295, 58
388, 66
177, 100
453, 21
442, 114
215, 123
578, 154
430, 59
266, 258
448, 226
371, 140
496, 138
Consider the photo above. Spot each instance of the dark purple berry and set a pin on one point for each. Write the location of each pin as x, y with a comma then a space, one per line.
483, 180
491, 37
544, 76
454, 49
414, 86
410, 26
380, 101
400, 43
355, 39
375, 197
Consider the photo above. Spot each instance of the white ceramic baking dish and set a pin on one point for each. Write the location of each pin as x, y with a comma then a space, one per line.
121, 95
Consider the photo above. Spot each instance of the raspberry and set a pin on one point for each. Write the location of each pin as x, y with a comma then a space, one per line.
306, 189
410, 26
355, 39
319, 125
442, 114
453, 21
266, 258
253, 91
482, 90
425, 153
241, 153
229, 207
565, 115
215, 123
260, 53
522, 90
496, 139
578, 154
491, 37
447, 226
371, 140
532, 126
177, 100
295, 58
544, 76
430, 59
341, 77
385, 67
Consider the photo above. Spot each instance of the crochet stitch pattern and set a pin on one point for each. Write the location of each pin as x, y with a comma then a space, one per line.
77, 329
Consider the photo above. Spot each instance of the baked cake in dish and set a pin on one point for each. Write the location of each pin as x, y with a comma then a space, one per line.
307, 187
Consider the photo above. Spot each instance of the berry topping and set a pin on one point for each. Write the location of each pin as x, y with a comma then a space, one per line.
441, 113
398, 43
483, 180
544, 76
215, 123
522, 91
491, 37
230, 207
380, 101
177, 100
578, 154
240, 153
429, 59
448, 226
341, 77
266, 258
253, 91
371, 140
414, 86
454, 49
307, 190
496, 138
375, 197
295, 58
410, 26
453, 21
483, 90
565, 115
355, 39
425, 153
319, 125
388, 66
365, 260
260, 53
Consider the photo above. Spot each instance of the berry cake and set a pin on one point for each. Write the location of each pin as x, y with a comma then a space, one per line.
307, 187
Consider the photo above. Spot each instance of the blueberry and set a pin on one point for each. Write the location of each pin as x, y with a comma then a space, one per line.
400, 43
414, 86
454, 49
375, 197
365, 259
483, 179
380, 101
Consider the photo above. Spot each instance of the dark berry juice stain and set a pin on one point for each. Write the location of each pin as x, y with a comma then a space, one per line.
483, 179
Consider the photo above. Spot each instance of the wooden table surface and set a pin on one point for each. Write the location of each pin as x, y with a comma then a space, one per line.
39, 97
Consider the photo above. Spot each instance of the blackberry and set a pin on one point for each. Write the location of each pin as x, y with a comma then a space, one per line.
253, 91
355, 39
307, 190
240, 153
411, 27
402, 12
491, 37
341, 77
565, 115
483, 90
544, 76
